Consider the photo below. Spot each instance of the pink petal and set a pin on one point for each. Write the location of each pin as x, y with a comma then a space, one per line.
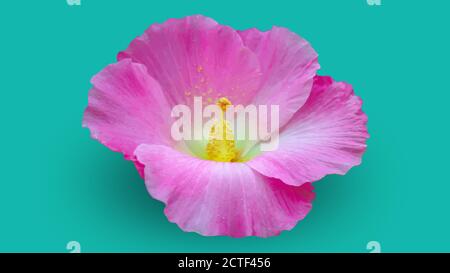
194, 56
326, 136
126, 108
216, 198
288, 63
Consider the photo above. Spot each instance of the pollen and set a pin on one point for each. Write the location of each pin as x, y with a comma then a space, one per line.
221, 145
223, 103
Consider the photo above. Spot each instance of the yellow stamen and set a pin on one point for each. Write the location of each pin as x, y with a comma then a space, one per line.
221, 146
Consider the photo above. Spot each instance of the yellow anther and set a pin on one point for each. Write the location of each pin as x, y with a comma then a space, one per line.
221, 146
223, 103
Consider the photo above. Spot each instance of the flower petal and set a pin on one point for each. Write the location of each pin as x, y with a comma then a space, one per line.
126, 108
326, 136
216, 198
288, 64
194, 56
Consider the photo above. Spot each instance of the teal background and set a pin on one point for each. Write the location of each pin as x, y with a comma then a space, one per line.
58, 184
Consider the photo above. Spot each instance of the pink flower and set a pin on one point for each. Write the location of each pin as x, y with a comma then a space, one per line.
323, 130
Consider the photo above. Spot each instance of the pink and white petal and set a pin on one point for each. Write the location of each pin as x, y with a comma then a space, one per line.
195, 56
326, 136
217, 198
126, 108
288, 65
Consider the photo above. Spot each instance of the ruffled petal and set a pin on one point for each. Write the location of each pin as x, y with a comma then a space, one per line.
195, 56
216, 198
126, 108
288, 65
326, 136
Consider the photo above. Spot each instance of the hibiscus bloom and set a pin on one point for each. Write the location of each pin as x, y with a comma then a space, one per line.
226, 192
